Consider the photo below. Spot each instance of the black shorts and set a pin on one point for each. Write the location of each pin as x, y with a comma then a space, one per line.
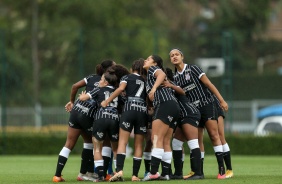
220, 112
104, 126
194, 121
81, 121
208, 112
134, 119
168, 112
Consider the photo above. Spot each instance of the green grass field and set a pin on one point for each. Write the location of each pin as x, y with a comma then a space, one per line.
40, 170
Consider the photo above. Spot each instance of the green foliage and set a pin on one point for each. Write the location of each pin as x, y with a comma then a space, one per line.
74, 36
41, 144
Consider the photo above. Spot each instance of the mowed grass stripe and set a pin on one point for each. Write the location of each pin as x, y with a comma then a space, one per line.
40, 170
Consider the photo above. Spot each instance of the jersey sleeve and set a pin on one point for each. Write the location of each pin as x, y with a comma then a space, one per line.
197, 71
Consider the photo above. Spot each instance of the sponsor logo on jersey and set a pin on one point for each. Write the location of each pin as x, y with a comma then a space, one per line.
100, 134
189, 88
143, 108
126, 124
83, 109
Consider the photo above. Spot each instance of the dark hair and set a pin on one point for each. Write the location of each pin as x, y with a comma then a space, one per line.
177, 50
169, 74
159, 61
101, 68
137, 66
119, 71
110, 77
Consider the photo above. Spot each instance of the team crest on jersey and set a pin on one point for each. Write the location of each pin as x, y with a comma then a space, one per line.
100, 134
187, 76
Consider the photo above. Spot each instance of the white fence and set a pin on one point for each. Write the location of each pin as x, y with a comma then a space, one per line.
241, 117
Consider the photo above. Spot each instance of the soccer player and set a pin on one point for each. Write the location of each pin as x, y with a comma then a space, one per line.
106, 119
134, 116
187, 131
166, 112
200, 91
80, 123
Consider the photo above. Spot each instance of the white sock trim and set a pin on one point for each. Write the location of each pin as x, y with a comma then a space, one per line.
88, 146
65, 152
193, 144
106, 151
176, 144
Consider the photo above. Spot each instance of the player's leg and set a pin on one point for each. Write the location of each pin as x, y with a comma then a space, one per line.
226, 149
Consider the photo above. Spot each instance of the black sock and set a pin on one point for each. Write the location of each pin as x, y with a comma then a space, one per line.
202, 166
120, 162
136, 166
177, 161
60, 165
100, 171
147, 164
165, 168
106, 164
155, 163
220, 162
87, 161
195, 161
227, 160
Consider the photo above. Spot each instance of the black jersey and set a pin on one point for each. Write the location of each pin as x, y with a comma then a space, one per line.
189, 81
135, 93
88, 107
101, 94
162, 94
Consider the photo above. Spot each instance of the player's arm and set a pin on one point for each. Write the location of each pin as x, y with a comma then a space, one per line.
117, 92
177, 89
73, 93
160, 77
214, 90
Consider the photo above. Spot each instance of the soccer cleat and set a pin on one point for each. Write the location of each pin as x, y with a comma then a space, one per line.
221, 177
58, 179
150, 176
229, 174
165, 177
188, 175
135, 178
117, 177
145, 174
195, 177
108, 176
176, 177
99, 179
87, 177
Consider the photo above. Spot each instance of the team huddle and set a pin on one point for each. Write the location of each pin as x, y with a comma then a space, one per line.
163, 107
